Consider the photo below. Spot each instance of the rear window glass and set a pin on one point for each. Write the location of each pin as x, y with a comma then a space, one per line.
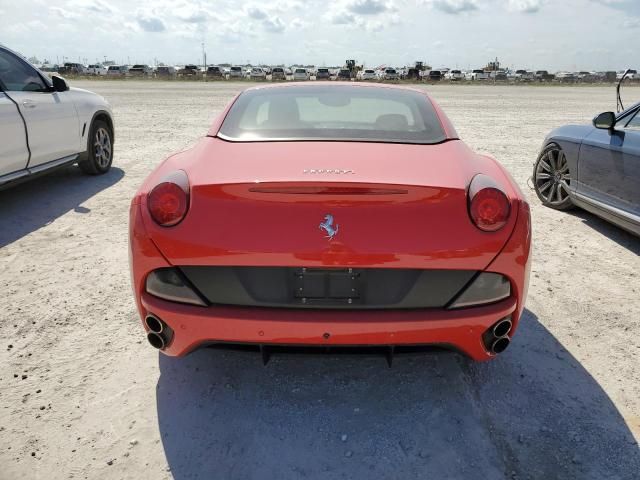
342, 113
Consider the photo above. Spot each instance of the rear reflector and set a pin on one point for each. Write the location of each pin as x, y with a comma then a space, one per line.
486, 288
169, 284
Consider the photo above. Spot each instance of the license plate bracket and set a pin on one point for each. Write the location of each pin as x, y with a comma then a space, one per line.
339, 286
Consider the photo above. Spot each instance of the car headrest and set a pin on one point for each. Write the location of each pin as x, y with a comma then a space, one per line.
392, 122
283, 111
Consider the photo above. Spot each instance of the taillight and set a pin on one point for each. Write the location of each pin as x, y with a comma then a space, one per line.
168, 202
489, 207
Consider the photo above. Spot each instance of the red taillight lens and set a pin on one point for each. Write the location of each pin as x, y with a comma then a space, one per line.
168, 201
489, 207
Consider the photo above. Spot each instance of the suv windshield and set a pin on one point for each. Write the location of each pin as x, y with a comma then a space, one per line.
333, 113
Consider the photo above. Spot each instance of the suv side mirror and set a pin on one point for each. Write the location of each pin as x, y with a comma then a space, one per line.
59, 84
605, 121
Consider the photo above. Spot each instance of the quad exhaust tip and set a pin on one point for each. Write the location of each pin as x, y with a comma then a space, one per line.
500, 345
502, 328
160, 334
154, 324
496, 338
156, 340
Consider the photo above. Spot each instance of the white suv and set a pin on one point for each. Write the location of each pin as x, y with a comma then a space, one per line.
46, 124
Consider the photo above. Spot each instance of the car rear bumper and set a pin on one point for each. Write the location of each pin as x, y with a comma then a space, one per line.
461, 329
194, 326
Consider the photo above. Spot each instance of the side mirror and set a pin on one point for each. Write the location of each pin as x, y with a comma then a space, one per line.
59, 84
605, 121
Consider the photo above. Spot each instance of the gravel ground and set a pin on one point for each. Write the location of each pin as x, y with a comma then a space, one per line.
83, 396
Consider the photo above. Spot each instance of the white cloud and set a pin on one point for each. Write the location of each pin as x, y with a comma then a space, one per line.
273, 25
368, 7
453, 7
150, 23
256, 12
525, 6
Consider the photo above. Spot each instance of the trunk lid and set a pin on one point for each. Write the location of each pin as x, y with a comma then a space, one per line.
319, 204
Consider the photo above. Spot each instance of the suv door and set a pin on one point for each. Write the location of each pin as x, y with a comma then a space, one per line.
52, 121
609, 168
14, 153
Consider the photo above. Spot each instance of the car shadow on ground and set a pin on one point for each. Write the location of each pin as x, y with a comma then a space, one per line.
534, 412
609, 230
36, 203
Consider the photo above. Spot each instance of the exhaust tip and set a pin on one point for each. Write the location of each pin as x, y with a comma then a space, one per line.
154, 324
502, 328
156, 340
500, 345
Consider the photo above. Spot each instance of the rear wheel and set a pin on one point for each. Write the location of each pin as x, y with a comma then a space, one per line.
552, 178
100, 150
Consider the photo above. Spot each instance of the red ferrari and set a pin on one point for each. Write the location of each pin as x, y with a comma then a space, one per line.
335, 216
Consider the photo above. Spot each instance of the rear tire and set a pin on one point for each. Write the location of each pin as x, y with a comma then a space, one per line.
99, 150
552, 178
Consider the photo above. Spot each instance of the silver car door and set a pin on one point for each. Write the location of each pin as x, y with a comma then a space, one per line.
52, 120
14, 153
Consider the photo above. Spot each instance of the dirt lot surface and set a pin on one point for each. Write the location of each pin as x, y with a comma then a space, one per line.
82, 395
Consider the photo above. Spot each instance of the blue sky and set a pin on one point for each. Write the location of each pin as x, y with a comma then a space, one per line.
553, 34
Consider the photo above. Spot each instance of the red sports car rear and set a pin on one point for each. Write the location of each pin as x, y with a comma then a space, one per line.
330, 215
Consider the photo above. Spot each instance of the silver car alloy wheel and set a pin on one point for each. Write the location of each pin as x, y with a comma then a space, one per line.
102, 147
552, 177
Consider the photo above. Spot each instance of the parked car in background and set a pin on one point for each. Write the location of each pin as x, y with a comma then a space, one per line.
140, 70
117, 70
543, 76
47, 125
166, 71
236, 72
367, 74
566, 77
435, 76
278, 73
300, 74
595, 167
454, 75
215, 72
257, 73
323, 74
631, 75
49, 68
586, 77
477, 75
499, 76
189, 71
96, 70
389, 74
72, 69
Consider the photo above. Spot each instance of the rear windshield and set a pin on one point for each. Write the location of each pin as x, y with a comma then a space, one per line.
236, 69
277, 69
341, 113
300, 70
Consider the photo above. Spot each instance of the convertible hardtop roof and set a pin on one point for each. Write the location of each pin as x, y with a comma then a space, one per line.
449, 129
